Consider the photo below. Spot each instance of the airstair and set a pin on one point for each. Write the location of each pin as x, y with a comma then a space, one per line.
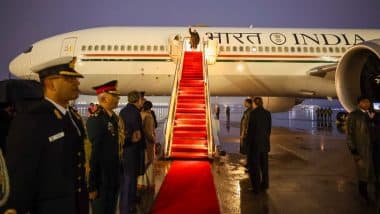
189, 132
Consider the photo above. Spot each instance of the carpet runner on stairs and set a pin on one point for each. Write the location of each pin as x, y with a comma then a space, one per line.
190, 130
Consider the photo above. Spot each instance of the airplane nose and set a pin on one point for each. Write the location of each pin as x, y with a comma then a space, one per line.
20, 66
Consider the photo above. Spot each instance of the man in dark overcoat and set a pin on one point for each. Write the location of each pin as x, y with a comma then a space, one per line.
360, 144
103, 132
45, 148
133, 156
258, 146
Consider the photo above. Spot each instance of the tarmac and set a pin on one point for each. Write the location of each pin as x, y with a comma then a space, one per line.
310, 169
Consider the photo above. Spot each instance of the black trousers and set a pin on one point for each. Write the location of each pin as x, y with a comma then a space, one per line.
106, 202
258, 170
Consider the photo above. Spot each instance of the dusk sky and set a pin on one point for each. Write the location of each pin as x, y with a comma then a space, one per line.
27, 21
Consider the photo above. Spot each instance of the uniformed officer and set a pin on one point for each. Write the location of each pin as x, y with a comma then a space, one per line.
102, 128
45, 150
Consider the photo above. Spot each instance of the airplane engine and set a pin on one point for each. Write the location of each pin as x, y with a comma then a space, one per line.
280, 104
358, 73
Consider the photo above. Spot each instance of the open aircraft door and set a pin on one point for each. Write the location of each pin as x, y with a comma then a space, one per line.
68, 46
211, 51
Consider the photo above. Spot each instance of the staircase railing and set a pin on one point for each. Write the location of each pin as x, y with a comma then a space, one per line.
210, 136
173, 104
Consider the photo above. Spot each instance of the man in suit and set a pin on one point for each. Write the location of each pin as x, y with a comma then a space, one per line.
102, 128
133, 157
258, 146
45, 149
194, 38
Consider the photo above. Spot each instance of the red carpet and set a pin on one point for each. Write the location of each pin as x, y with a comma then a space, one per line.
190, 132
188, 188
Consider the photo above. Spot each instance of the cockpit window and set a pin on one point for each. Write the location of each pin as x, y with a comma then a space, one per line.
28, 50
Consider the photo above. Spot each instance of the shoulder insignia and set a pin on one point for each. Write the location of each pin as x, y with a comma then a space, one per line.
75, 113
58, 114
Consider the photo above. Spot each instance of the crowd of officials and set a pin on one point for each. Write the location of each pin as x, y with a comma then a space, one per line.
58, 163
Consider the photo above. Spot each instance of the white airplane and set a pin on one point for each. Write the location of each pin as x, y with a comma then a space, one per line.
281, 64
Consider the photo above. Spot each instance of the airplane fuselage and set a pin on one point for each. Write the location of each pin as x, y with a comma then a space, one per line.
250, 61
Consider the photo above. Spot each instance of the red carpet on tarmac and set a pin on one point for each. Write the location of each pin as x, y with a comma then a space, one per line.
188, 188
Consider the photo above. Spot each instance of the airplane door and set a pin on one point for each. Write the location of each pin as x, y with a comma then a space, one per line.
68, 46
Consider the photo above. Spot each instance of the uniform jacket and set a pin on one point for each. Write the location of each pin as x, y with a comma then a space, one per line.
259, 129
359, 143
46, 162
104, 137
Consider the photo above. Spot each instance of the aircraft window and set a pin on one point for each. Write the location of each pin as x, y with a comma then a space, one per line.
254, 49
318, 49
299, 49
142, 48
279, 49
96, 47
344, 49
228, 48
234, 48
149, 48
221, 48
311, 49
292, 49
135, 48
83, 48
103, 47
331, 49
286, 49
260, 49
247, 49
122, 48
115, 47
109, 47
305, 49
162, 48
155, 48
266, 49
273, 49
129, 48
241, 49
89, 48
324, 49
337, 50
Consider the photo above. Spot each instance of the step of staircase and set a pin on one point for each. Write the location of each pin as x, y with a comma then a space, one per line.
192, 127
191, 105
189, 155
189, 148
178, 141
190, 134
180, 116
189, 121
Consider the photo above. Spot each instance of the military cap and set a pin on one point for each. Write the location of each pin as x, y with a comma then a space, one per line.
108, 87
60, 66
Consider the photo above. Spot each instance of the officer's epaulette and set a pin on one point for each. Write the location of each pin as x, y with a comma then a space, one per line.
75, 113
